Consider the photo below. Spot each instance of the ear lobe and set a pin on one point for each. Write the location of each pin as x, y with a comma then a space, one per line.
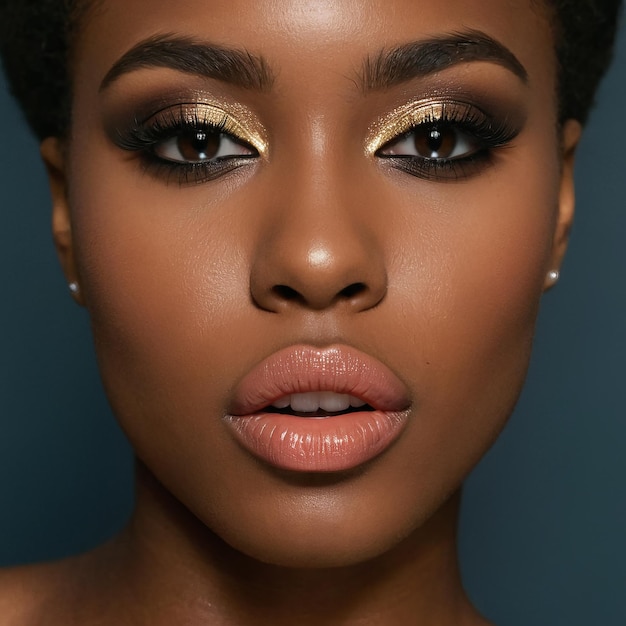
53, 155
570, 136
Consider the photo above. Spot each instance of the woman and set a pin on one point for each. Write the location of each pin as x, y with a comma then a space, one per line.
312, 242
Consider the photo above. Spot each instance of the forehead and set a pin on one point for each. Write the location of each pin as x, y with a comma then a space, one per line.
315, 35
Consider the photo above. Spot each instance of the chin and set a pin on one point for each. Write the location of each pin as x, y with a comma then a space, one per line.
318, 549
328, 526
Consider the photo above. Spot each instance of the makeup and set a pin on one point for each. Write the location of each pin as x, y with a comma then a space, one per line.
197, 140
437, 138
263, 422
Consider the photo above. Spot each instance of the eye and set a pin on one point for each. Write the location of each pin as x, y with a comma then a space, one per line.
437, 141
443, 141
192, 142
201, 146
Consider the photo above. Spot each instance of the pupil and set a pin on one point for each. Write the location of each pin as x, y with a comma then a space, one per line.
199, 142
435, 139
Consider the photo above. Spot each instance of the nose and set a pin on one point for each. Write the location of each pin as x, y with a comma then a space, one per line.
317, 251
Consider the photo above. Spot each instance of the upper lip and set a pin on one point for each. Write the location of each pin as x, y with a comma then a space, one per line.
301, 368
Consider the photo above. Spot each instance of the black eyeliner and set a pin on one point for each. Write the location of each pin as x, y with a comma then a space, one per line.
487, 131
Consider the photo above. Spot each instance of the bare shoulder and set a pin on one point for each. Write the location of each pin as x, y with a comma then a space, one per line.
23, 592
43, 594
74, 591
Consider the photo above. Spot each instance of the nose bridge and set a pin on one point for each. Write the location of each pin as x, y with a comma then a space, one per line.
316, 249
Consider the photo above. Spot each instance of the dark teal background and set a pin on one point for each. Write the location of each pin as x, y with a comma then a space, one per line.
543, 532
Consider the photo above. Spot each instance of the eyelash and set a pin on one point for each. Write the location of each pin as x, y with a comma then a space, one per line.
145, 138
463, 120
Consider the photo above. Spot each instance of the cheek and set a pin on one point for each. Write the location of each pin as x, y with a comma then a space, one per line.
470, 286
480, 249
154, 259
164, 279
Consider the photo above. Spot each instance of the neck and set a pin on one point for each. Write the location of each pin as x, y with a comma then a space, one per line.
167, 559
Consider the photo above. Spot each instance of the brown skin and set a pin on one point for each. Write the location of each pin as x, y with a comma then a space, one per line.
178, 282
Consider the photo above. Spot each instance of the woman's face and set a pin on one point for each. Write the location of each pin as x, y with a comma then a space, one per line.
273, 197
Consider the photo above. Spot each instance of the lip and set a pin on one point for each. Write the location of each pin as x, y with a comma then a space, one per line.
308, 444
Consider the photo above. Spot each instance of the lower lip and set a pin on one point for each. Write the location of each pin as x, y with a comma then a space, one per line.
308, 444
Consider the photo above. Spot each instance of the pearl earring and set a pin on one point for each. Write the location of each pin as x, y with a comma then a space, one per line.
73, 287
553, 277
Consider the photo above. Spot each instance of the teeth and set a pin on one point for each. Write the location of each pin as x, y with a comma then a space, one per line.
282, 403
333, 402
356, 402
314, 401
306, 402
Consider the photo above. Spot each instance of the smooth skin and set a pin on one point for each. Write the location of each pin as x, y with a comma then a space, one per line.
180, 283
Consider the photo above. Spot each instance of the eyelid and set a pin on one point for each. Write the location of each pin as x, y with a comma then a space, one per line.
406, 117
234, 119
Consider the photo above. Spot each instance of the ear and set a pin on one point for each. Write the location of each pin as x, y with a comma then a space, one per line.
570, 136
53, 154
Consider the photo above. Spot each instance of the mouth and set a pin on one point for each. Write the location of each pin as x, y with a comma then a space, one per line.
306, 409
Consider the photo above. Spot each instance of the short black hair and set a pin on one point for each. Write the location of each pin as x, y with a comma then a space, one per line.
585, 35
36, 41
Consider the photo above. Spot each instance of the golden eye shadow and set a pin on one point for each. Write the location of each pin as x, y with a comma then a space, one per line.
233, 119
408, 116
189, 110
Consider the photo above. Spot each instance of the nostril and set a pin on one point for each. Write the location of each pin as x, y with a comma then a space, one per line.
284, 292
357, 294
353, 290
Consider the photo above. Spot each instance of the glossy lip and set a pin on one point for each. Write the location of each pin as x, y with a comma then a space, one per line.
330, 444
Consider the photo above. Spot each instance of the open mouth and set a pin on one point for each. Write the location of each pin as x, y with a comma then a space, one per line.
318, 404
309, 409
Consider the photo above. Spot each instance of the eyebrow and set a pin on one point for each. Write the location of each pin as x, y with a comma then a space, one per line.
412, 60
184, 54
